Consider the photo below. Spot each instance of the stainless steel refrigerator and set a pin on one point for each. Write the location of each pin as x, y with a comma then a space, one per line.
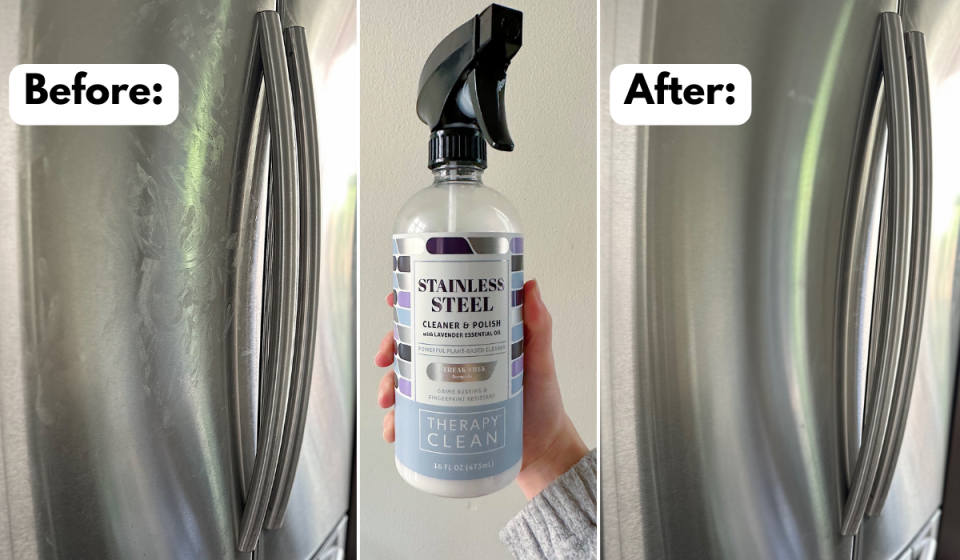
769, 290
177, 335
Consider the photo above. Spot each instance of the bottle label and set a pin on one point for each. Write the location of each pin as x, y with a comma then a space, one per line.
458, 367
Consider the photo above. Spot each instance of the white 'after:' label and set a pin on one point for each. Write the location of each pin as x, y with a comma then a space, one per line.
680, 94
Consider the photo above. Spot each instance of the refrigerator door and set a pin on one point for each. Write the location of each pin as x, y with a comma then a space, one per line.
719, 265
917, 488
117, 260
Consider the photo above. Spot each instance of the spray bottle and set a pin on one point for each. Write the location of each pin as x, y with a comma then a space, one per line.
458, 278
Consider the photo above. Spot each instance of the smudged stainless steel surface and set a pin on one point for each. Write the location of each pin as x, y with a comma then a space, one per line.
127, 245
116, 393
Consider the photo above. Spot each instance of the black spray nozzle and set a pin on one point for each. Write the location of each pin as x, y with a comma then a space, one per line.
464, 78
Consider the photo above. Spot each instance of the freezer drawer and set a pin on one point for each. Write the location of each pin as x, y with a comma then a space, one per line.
924, 545
334, 548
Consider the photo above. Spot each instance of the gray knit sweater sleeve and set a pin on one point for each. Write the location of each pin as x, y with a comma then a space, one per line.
559, 523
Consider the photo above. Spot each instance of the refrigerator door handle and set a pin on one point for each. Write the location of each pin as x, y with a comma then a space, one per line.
308, 151
919, 263
866, 171
895, 246
279, 321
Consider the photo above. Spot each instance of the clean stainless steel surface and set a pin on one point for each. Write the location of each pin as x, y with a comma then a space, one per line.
284, 202
308, 168
919, 260
115, 383
916, 489
893, 296
719, 250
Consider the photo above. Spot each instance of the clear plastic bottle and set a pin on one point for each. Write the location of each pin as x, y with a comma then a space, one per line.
458, 277
459, 202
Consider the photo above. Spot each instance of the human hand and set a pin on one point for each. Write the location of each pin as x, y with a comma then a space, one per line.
551, 444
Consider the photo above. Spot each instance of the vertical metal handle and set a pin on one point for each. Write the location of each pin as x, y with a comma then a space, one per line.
308, 150
896, 214
247, 212
880, 309
919, 262
866, 172
284, 208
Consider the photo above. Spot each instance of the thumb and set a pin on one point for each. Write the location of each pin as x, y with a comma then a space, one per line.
537, 333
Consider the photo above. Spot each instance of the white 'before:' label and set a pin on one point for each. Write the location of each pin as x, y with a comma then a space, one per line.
94, 94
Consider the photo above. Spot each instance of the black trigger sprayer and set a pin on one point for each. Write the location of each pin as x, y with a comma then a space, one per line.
462, 86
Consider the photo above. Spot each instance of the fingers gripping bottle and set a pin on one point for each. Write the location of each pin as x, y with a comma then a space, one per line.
458, 278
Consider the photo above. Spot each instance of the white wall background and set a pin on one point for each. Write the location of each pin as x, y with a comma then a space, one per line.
550, 177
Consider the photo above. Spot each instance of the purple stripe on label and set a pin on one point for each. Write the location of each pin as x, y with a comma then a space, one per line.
517, 367
404, 298
516, 245
448, 246
404, 386
516, 298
